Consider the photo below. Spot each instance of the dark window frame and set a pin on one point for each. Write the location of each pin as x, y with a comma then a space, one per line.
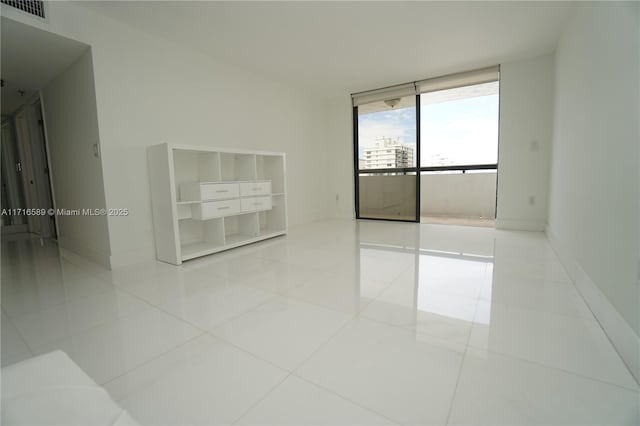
407, 170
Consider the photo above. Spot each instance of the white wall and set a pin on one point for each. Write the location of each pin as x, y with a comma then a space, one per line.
594, 213
339, 142
526, 102
150, 91
69, 105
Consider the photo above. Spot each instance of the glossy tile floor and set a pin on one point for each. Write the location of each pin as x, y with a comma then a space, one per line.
337, 323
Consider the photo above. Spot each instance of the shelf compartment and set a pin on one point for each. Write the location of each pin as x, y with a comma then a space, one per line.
240, 228
273, 221
184, 211
271, 167
200, 236
237, 167
195, 166
209, 167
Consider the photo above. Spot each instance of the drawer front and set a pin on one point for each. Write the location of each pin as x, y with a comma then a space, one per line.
217, 191
248, 189
255, 204
213, 209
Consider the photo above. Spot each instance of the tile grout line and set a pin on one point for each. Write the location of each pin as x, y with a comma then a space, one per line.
211, 332
400, 327
344, 397
295, 373
20, 336
262, 398
155, 357
150, 306
555, 368
464, 357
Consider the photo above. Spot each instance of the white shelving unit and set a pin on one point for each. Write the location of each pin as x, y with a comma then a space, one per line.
207, 200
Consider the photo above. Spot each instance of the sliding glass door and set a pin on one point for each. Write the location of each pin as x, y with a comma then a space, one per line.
408, 137
387, 155
459, 155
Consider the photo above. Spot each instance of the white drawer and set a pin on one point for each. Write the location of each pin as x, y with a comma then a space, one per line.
217, 191
248, 189
255, 204
208, 191
211, 209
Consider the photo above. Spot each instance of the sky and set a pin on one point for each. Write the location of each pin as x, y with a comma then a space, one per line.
457, 131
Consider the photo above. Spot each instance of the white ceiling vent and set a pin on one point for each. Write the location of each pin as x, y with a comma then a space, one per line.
32, 7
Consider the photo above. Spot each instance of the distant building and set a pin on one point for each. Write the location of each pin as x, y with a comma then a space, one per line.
388, 153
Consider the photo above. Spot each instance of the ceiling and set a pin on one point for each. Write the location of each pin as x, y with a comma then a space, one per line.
333, 48
30, 58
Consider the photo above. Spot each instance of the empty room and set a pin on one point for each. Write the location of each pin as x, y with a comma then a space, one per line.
320, 213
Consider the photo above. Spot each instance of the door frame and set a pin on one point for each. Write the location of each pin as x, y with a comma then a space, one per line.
417, 169
403, 170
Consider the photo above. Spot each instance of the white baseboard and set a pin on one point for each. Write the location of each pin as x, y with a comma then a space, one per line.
520, 225
620, 333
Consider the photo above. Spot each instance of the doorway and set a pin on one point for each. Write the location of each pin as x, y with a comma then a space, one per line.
31, 59
27, 200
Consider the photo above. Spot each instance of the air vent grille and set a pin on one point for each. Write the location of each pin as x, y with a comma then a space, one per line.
32, 7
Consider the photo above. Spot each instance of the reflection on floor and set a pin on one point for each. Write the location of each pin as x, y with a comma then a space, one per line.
337, 323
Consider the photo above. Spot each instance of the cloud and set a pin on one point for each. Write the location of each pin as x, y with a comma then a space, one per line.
392, 124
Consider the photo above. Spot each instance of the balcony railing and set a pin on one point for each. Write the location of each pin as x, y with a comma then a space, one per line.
464, 191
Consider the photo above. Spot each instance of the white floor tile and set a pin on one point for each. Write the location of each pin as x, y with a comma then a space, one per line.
548, 269
349, 295
408, 316
417, 302
73, 317
36, 290
573, 344
543, 296
109, 350
498, 390
283, 331
209, 309
298, 402
372, 318
245, 268
283, 277
165, 284
204, 382
405, 377
370, 265
144, 271
310, 257
13, 346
